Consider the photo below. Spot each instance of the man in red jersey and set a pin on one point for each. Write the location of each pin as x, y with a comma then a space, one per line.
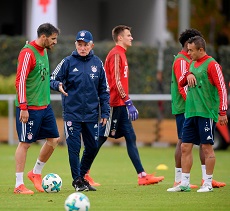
206, 103
123, 112
35, 119
179, 67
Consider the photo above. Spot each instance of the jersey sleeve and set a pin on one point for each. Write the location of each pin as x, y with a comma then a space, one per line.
26, 63
216, 78
58, 75
119, 75
183, 79
180, 68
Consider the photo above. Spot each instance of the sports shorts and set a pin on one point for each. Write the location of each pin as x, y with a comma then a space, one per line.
179, 124
198, 130
41, 125
118, 124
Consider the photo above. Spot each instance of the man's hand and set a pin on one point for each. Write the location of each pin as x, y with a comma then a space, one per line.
223, 120
103, 121
24, 116
133, 112
191, 79
62, 90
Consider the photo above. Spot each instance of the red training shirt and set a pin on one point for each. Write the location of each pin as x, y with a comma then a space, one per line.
116, 67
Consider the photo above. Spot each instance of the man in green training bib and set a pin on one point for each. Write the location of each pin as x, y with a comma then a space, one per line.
206, 103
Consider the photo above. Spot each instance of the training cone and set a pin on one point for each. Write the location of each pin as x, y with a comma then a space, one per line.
162, 167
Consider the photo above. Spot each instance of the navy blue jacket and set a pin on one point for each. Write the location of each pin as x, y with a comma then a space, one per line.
84, 79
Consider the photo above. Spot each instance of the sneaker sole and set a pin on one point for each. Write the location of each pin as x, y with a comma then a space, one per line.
148, 184
85, 190
193, 186
205, 191
95, 184
81, 189
187, 190
218, 186
19, 192
23, 193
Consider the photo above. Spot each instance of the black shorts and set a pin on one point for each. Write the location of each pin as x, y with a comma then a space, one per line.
118, 124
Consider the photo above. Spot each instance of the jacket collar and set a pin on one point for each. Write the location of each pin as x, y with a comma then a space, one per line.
77, 56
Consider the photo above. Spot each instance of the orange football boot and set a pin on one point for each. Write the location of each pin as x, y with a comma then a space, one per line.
149, 179
36, 179
21, 189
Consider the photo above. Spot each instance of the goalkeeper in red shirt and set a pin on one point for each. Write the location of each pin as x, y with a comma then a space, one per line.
123, 112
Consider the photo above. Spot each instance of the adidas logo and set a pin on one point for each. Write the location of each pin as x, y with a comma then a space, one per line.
75, 70
209, 138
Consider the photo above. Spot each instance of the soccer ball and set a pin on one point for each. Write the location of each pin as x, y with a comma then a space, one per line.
52, 183
77, 201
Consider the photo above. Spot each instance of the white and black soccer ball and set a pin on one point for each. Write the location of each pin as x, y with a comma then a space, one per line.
77, 201
52, 183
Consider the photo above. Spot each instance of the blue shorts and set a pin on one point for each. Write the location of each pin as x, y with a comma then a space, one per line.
41, 125
179, 124
118, 125
198, 130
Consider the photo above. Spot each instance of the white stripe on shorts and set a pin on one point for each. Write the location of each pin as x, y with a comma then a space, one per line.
108, 123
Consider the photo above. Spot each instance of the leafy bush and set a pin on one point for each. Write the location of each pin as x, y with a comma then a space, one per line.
9, 50
7, 86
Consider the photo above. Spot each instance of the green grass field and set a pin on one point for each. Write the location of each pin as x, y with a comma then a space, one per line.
119, 190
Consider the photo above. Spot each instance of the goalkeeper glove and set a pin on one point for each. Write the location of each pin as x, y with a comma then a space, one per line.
133, 112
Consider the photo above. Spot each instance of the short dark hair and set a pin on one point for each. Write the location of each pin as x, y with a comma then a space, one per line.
188, 33
47, 29
118, 30
198, 41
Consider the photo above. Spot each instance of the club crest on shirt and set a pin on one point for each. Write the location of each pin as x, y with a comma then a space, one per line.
94, 69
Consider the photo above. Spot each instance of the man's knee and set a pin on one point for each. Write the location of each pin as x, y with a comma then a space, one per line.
186, 148
53, 142
24, 145
208, 151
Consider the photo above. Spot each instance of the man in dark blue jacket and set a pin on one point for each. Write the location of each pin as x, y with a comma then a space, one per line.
82, 81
